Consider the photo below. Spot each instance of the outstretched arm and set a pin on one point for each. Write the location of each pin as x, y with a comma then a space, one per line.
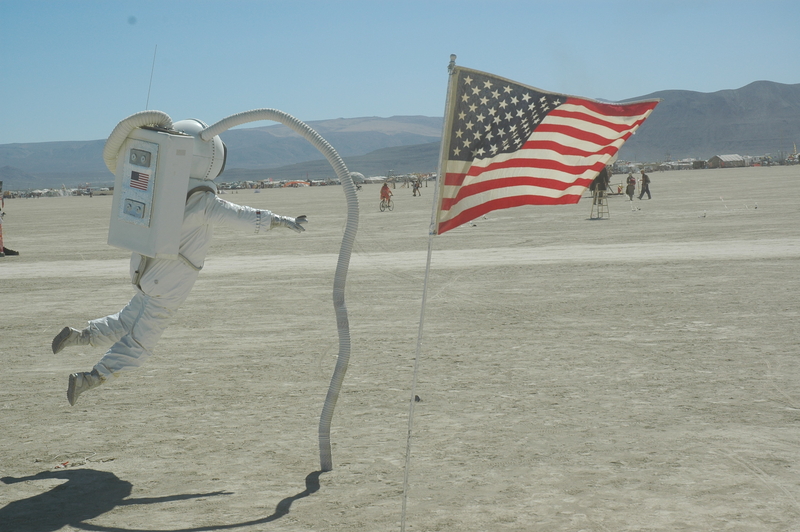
224, 212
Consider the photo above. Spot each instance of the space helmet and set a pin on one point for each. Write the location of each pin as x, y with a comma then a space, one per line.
208, 157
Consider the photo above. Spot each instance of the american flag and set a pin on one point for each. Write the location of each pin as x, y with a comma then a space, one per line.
507, 145
139, 180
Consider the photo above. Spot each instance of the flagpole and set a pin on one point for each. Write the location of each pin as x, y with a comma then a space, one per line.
431, 233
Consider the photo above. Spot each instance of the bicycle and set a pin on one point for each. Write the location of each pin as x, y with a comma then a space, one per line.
387, 204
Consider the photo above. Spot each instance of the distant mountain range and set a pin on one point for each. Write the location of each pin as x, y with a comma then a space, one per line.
762, 117
72, 163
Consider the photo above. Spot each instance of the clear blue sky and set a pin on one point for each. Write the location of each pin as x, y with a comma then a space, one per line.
72, 69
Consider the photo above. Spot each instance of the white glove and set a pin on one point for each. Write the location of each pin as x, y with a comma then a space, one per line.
295, 224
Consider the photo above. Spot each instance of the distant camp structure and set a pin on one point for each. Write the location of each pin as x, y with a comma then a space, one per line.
726, 161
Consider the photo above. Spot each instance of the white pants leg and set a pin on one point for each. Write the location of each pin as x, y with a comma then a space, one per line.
132, 333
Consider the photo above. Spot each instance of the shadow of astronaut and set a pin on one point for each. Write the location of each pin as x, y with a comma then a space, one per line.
86, 495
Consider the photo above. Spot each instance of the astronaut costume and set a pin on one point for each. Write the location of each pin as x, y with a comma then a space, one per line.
162, 285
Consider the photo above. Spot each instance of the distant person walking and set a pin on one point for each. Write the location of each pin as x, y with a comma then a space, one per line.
645, 186
630, 189
599, 186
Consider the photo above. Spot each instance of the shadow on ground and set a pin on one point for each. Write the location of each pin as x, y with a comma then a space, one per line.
88, 494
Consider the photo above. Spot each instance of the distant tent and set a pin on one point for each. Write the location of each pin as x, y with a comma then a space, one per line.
726, 161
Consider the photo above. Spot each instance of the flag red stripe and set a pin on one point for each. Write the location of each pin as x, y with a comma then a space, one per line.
504, 203
610, 109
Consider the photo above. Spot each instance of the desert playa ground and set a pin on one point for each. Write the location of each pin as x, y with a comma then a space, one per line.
634, 373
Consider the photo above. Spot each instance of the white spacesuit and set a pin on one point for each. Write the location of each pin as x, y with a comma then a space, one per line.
161, 285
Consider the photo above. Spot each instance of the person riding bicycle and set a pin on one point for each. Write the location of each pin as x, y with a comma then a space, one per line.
386, 194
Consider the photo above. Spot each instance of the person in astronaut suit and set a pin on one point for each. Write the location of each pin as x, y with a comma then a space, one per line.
162, 285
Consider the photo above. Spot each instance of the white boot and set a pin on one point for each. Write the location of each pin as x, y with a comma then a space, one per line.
69, 337
82, 382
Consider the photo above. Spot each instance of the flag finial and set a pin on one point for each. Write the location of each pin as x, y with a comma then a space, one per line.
452, 64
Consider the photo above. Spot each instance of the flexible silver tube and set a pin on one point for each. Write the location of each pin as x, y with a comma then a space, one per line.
340, 277
120, 133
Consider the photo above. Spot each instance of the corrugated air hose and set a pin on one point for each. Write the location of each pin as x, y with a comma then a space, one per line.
120, 133
351, 227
